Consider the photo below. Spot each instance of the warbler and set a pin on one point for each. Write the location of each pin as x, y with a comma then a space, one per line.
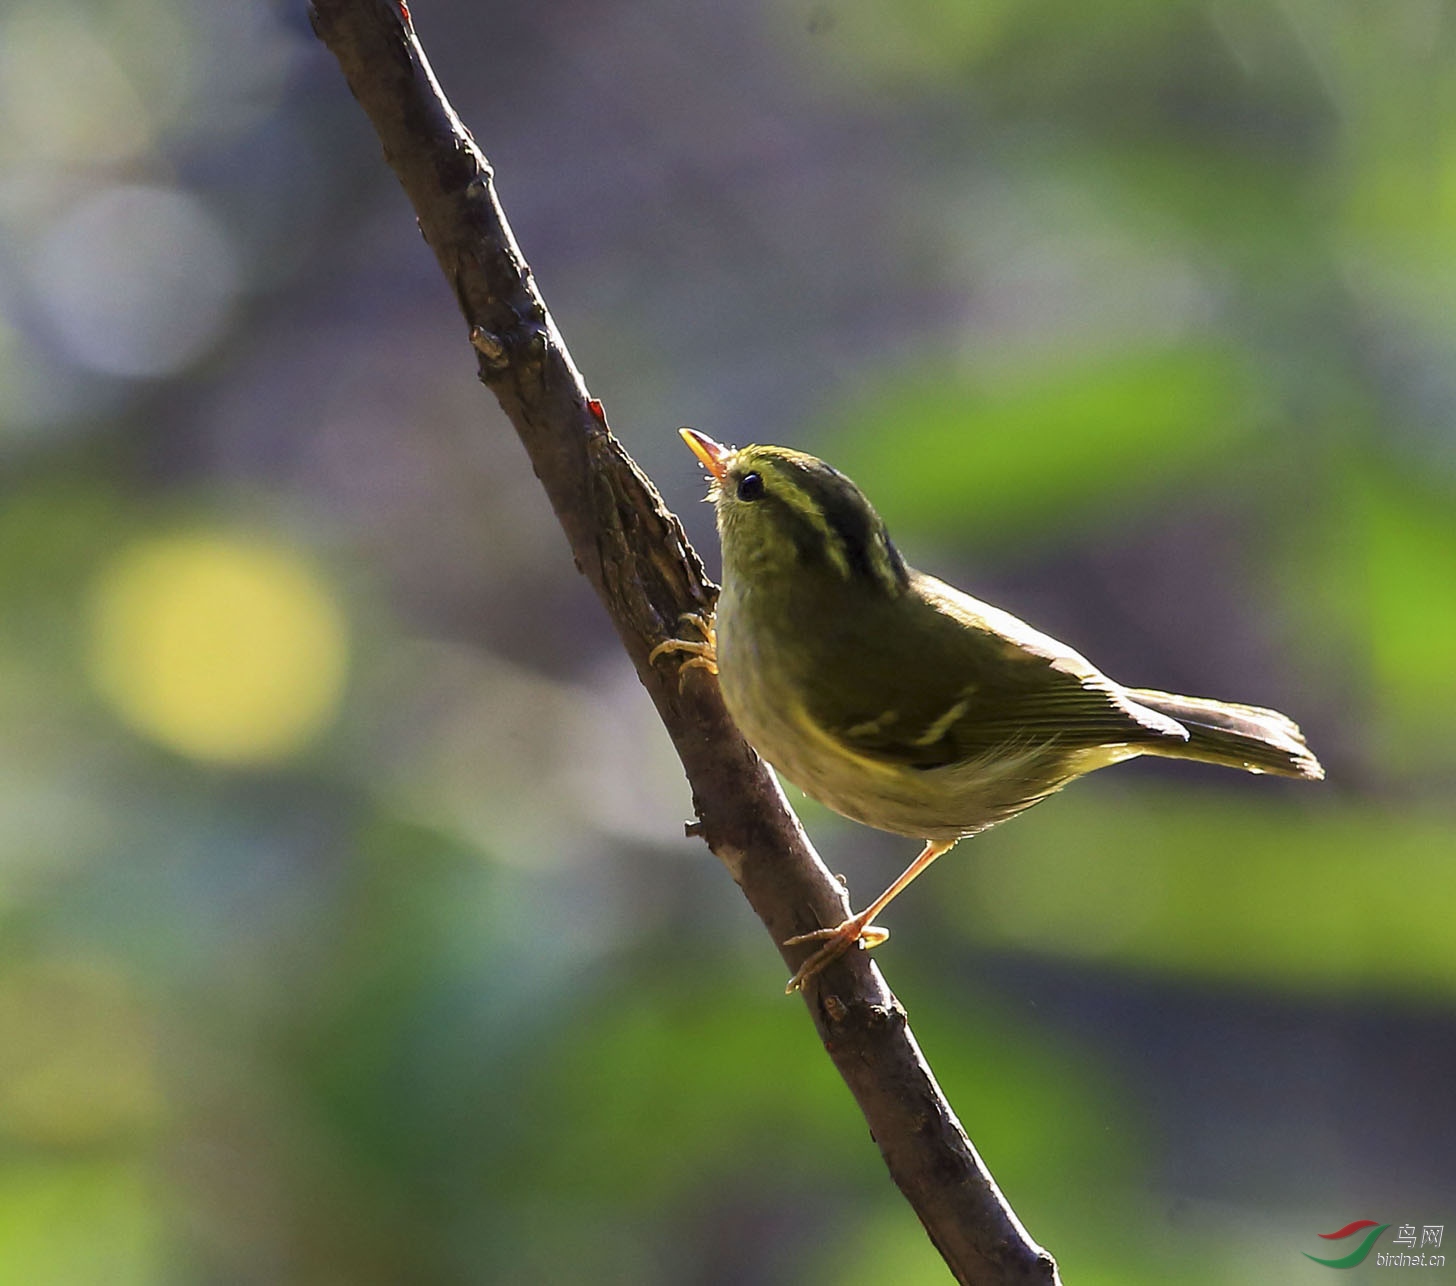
899, 701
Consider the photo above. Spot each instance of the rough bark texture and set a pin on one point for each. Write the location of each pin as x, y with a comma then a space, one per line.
634, 552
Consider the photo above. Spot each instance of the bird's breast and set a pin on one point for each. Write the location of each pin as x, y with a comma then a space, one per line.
762, 671
767, 657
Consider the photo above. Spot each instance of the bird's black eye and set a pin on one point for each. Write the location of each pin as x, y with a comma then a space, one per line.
750, 487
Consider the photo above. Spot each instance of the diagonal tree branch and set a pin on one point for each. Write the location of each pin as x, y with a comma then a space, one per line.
634, 552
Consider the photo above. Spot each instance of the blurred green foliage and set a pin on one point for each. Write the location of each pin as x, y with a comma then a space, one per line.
1027, 458
346, 930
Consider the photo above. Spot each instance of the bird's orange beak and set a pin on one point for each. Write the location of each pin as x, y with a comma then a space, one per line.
713, 456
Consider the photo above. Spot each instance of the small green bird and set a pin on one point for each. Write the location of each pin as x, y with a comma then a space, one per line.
903, 703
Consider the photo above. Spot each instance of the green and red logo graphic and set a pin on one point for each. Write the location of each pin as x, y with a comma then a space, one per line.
1356, 1256
1410, 1247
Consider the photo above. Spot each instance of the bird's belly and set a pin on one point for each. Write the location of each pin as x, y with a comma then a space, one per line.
941, 803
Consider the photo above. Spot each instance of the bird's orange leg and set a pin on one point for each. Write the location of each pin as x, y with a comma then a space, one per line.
702, 656
858, 927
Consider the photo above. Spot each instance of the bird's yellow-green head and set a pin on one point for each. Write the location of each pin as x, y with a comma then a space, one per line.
783, 513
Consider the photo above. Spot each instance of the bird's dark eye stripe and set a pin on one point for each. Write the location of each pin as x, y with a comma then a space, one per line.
750, 487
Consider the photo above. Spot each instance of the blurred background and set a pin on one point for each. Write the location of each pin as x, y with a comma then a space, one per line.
348, 933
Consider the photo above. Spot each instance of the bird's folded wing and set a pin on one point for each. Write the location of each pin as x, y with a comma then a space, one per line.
971, 681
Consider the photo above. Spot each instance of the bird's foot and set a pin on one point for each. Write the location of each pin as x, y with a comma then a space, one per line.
702, 655
836, 942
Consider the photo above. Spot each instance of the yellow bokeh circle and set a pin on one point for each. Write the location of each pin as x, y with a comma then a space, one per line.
219, 647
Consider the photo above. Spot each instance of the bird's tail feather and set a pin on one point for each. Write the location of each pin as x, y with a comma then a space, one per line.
1236, 736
